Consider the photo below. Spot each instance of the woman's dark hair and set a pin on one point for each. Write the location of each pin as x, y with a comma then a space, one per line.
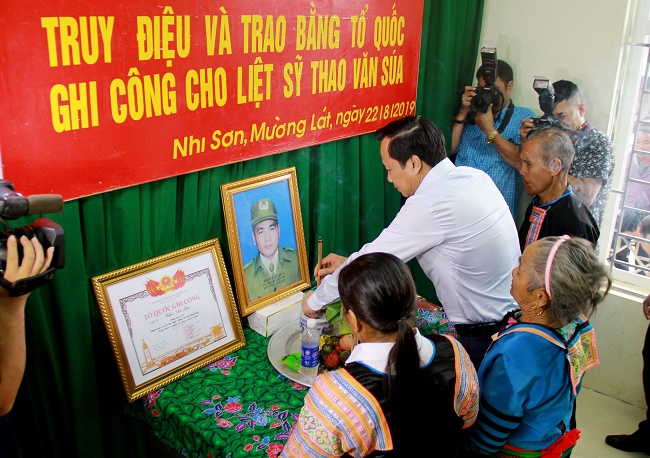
379, 288
413, 136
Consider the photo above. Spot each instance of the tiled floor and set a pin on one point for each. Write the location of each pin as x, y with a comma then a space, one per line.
598, 416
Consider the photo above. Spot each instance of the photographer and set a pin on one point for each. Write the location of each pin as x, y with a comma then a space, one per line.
591, 172
12, 330
490, 141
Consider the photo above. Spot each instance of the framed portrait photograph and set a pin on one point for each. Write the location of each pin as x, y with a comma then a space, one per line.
169, 316
266, 238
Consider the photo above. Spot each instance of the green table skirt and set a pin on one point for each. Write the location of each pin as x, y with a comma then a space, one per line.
239, 406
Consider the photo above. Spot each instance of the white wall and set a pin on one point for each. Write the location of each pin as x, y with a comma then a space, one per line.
578, 40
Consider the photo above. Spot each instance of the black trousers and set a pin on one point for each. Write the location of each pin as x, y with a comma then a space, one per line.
645, 424
476, 347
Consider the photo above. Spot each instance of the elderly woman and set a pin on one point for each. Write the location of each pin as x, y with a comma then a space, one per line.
532, 373
369, 407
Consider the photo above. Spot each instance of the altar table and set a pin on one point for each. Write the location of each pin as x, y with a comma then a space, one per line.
239, 406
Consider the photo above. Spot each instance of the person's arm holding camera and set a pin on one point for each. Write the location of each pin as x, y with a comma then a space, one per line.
586, 188
508, 150
526, 126
461, 117
13, 353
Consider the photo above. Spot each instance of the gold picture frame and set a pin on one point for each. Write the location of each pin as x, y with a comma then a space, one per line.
271, 201
169, 316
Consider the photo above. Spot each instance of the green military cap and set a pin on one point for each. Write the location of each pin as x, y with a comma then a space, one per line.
263, 209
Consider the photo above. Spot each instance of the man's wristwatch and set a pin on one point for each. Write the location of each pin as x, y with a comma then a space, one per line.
459, 121
490, 138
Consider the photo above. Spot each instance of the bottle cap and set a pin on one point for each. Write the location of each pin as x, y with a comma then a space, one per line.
311, 322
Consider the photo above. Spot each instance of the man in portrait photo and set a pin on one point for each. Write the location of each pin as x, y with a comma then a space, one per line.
274, 267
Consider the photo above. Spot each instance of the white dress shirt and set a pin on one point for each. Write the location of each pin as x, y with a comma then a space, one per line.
458, 226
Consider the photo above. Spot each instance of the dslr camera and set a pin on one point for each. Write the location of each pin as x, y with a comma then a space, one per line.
546, 103
14, 205
488, 94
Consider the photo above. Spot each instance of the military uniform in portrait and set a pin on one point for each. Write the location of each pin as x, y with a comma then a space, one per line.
259, 280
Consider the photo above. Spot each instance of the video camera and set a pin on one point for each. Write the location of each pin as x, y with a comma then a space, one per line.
14, 205
546, 103
488, 94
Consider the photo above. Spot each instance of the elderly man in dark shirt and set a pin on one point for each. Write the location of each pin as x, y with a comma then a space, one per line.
546, 157
592, 169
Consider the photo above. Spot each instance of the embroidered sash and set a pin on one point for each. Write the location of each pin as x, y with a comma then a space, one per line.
561, 448
581, 352
536, 219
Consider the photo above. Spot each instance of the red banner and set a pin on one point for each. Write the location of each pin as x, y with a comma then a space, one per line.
98, 95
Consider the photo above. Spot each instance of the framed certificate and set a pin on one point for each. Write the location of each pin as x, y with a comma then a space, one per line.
169, 316
266, 238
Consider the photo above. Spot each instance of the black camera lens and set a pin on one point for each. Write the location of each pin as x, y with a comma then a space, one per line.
485, 96
481, 102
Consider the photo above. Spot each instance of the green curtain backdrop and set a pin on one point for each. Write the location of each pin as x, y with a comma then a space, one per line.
71, 402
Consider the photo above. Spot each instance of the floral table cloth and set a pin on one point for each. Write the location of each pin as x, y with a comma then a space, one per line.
240, 406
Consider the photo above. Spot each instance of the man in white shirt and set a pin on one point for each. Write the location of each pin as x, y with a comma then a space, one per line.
454, 221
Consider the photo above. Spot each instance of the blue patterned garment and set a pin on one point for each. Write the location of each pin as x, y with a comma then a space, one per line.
529, 381
474, 151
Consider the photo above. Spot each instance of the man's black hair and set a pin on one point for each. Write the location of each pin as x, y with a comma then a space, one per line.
565, 90
413, 136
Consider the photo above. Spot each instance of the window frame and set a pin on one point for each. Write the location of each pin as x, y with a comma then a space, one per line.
625, 118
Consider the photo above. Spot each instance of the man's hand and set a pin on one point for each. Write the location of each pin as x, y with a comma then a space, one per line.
12, 315
329, 264
34, 260
465, 102
646, 307
461, 117
485, 121
526, 126
305, 306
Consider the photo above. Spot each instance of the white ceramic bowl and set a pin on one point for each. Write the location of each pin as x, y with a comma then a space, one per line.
323, 326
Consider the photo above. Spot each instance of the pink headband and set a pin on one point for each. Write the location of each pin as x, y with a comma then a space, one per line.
549, 261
